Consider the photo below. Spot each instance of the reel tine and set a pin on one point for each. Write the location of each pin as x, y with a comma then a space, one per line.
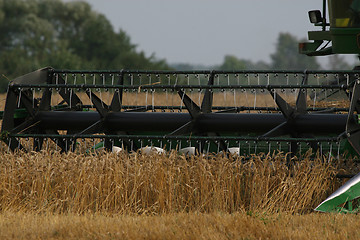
69, 96
185, 129
280, 130
100, 106
108, 144
58, 140
26, 101
193, 109
152, 99
294, 147
284, 107
200, 90
94, 128
207, 102
246, 94
301, 104
116, 102
14, 144
139, 109
222, 145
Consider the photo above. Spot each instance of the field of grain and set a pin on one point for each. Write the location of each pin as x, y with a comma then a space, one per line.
48, 195
130, 195
180, 226
131, 183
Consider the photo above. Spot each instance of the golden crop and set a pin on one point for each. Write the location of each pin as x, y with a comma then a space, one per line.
132, 183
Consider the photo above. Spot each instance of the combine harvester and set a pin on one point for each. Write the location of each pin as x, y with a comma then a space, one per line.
235, 112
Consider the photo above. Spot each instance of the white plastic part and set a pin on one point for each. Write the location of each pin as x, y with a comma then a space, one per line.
187, 151
151, 150
234, 150
116, 149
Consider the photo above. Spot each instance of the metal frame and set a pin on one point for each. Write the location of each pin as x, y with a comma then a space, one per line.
199, 123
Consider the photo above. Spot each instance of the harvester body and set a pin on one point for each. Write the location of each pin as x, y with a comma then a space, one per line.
341, 35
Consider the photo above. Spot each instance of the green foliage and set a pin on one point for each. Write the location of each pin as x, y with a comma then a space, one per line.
234, 63
70, 35
39, 33
287, 56
337, 62
189, 67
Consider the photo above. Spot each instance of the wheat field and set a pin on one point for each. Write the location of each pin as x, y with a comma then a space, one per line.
179, 226
133, 183
48, 195
133, 195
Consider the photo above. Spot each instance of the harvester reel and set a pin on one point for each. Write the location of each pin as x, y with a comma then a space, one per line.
212, 111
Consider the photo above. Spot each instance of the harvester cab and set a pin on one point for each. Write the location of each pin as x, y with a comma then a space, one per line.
341, 35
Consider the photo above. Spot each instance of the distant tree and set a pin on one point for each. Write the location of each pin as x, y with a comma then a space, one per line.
233, 63
287, 57
183, 66
190, 67
38, 33
260, 65
337, 62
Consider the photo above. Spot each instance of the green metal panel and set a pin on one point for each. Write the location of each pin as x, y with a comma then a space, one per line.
345, 40
341, 199
319, 35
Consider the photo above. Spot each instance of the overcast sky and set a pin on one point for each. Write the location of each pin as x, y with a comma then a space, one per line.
204, 31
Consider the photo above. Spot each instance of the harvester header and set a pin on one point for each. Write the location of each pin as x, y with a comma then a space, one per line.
240, 112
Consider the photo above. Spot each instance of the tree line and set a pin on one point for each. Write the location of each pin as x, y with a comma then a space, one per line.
285, 57
69, 35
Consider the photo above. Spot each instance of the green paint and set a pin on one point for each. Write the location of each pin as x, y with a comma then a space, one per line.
342, 199
343, 32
